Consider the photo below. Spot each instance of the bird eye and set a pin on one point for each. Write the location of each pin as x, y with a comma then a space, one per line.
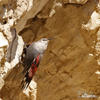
44, 39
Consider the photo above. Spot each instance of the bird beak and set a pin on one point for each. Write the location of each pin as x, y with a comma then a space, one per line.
51, 38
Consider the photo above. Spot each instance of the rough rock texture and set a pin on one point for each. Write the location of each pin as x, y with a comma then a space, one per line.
15, 14
67, 71
75, 1
71, 66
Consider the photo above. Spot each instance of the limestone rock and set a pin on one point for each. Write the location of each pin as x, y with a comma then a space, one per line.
68, 70
75, 1
14, 14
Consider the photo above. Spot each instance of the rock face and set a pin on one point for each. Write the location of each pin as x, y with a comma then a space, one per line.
14, 14
70, 67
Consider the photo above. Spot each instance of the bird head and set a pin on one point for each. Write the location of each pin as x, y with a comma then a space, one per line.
42, 44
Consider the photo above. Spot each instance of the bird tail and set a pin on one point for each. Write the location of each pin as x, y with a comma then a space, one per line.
26, 81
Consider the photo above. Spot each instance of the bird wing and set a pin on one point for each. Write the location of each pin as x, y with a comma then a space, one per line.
30, 72
34, 66
30, 56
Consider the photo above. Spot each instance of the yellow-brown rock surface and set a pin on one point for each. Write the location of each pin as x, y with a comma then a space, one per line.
70, 68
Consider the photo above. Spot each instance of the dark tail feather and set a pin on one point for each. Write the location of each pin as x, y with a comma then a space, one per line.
26, 81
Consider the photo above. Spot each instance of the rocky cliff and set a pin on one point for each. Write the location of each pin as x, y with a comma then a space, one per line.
70, 68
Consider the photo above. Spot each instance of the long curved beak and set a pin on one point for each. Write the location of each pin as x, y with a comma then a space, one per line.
50, 38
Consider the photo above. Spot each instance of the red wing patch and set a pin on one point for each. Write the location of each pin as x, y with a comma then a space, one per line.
34, 66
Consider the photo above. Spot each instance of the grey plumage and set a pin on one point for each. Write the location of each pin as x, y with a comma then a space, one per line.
33, 50
31, 59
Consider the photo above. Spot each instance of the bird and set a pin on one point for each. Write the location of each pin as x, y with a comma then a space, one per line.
31, 57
